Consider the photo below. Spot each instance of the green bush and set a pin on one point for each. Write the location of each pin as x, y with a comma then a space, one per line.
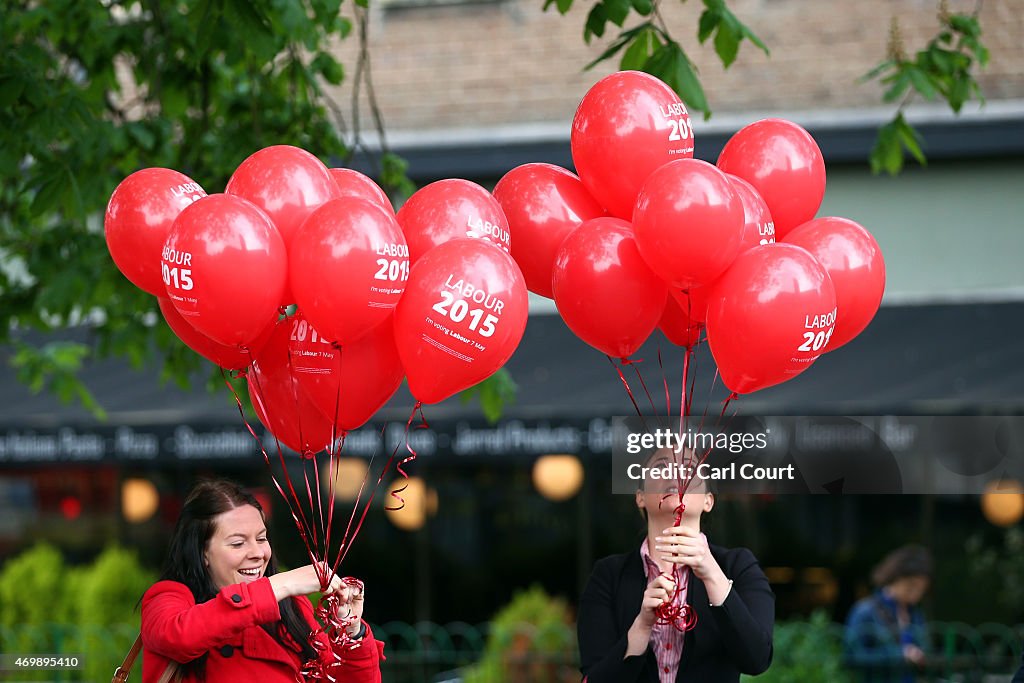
531, 640
806, 652
47, 607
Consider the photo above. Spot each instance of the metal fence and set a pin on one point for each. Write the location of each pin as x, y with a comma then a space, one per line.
427, 652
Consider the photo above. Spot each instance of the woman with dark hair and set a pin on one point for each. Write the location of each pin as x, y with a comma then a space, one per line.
222, 611
623, 639
884, 638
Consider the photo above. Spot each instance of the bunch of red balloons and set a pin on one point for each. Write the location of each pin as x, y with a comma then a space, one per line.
647, 236
431, 294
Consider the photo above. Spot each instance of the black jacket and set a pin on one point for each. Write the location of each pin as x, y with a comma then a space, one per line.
728, 640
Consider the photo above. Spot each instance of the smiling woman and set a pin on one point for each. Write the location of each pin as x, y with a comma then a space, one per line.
222, 612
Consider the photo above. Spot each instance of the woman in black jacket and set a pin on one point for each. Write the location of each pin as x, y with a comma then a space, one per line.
620, 637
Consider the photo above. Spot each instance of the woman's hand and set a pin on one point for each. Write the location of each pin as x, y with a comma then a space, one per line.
688, 547
350, 605
303, 581
659, 591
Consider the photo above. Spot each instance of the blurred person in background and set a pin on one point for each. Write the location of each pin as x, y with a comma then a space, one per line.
885, 637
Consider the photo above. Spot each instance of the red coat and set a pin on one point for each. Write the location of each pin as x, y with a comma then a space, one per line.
227, 628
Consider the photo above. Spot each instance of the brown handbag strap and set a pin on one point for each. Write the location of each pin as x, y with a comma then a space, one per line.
121, 673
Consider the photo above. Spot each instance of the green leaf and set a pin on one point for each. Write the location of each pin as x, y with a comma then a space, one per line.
670, 64
911, 140
624, 38
597, 18
887, 155
643, 7
727, 43
900, 83
563, 6
494, 393
617, 10
328, 67
709, 20
921, 83
637, 54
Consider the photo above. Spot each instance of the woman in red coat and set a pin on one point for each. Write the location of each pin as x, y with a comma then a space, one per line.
222, 612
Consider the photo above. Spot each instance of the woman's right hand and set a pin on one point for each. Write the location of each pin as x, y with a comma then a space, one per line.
302, 581
659, 591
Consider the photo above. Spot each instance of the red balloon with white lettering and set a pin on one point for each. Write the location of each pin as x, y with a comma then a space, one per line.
688, 223
227, 357
627, 126
347, 384
784, 164
449, 209
770, 316
603, 289
138, 219
352, 183
462, 316
280, 403
224, 267
349, 266
854, 261
543, 204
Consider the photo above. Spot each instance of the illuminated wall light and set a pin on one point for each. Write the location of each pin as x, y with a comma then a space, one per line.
558, 477
1002, 502
420, 502
139, 500
349, 474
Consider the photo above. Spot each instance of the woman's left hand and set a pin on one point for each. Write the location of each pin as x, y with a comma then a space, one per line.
688, 547
350, 605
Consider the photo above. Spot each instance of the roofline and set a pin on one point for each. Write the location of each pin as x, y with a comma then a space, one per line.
992, 130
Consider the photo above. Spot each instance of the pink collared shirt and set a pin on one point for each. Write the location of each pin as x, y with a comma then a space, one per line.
666, 639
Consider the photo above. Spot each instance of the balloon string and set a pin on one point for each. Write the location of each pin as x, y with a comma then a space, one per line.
664, 381
334, 450
266, 458
306, 455
397, 493
674, 611
635, 364
629, 392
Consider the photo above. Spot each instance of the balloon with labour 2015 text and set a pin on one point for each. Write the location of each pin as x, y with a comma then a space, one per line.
224, 267
348, 266
784, 164
607, 295
462, 316
626, 126
449, 209
770, 316
280, 403
347, 384
138, 219
543, 204
853, 259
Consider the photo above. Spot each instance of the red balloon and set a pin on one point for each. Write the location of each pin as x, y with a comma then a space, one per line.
783, 163
349, 265
354, 184
228, 357
138, 219
448, 209
758, 226
280, 403
627, 125
543, 204
693, 302
770, 317
460, 319
605, 292
688, 223
347, 384
224, 267
854, 261
678, 327
287, 182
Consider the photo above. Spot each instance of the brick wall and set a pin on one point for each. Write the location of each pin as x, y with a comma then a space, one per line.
508, 62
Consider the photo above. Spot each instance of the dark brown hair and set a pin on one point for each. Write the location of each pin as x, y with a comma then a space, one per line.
909, 560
